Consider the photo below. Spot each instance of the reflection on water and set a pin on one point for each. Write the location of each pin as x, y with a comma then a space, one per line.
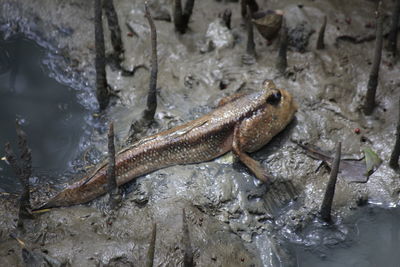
48, 111
373, 240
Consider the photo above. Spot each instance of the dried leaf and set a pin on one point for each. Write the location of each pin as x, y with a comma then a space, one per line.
352, 170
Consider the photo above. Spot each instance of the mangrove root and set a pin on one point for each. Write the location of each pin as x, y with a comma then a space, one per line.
326, 207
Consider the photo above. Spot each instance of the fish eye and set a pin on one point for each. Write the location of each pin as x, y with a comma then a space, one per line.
274, 98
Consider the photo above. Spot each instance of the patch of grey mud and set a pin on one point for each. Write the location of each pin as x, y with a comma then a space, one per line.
233, 219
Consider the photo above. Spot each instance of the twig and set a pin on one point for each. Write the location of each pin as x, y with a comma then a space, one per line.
392, 38
137, 126
151, 251
115, 31
321, 35
132, 72
188, 254
252, 4
11, 158
356, 39
35, 258
102, 93
112, 185
243, 8
115, 61
181, 18
177, 14
373, 76
27, 255
24, 205
281, 62
251, 46
226, 17
152, 96
394, 158
187, 12
326, 207
26, 172
23, 171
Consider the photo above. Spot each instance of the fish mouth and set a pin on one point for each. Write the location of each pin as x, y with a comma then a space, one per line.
40, 209
291, 104
295, 106
44, 206
51, 203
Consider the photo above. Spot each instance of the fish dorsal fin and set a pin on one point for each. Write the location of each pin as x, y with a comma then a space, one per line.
189, 127
93, 174
171, 133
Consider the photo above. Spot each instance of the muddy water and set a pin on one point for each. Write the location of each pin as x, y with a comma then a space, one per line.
47, 110
372, 238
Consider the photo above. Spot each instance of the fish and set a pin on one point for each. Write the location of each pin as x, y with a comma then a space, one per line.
241, 123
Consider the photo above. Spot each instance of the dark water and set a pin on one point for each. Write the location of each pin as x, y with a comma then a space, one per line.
47, 110
369, 238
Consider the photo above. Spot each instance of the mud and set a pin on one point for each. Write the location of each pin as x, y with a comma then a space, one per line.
233, 219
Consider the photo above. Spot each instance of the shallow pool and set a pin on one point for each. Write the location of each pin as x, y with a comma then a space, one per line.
47, 110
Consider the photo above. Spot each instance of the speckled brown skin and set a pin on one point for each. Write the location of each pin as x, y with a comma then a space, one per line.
242, 123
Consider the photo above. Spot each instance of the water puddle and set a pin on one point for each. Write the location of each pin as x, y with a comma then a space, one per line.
371, 237
48, 111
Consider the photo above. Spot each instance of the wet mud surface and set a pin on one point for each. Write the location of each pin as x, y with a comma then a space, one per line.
233, 220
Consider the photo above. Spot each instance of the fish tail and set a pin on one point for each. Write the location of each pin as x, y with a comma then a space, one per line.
52, 203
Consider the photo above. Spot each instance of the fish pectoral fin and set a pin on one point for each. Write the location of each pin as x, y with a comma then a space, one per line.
253, 165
